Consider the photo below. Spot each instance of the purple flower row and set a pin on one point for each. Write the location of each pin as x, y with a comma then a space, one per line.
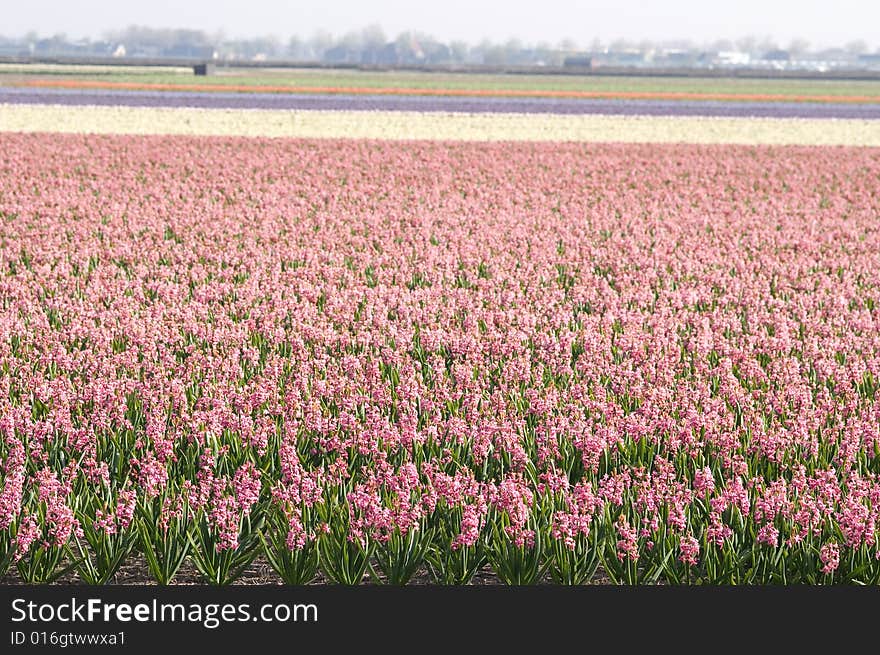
621, 107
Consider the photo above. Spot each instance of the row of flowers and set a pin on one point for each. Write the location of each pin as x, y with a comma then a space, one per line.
868, 96
431, 125
397, 523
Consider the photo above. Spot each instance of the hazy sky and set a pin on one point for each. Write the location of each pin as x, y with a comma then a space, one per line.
821, 22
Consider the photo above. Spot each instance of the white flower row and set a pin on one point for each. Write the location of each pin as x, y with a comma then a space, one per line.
437, 125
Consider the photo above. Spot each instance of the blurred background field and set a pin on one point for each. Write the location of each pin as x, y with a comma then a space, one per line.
224, 78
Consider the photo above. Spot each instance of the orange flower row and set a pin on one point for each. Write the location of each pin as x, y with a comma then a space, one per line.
541, 93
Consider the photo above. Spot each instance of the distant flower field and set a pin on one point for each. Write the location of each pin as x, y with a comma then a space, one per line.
449, 91
394, 360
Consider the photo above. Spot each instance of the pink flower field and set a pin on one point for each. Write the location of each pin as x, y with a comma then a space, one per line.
365, 361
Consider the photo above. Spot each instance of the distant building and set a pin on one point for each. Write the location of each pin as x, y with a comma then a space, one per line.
407, 52
436, 52
777, 55
342, 54
187, 51
578, 61
204, 69
869, 61
724, 59
733, 58
144, 50
677, 58
629, 57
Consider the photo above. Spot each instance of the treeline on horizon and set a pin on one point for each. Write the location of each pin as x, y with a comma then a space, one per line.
371, 45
